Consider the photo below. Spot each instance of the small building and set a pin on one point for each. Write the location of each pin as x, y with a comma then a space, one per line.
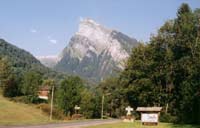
43, 92
149, 115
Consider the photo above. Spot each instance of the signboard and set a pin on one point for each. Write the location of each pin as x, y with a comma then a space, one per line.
149, 118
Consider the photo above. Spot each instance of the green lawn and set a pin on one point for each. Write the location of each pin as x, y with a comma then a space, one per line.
12, 113
139, 125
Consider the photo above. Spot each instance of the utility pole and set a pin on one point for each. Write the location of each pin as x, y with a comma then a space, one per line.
51, 112
102, 104
166, 109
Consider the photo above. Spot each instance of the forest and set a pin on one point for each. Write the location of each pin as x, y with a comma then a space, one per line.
164, 72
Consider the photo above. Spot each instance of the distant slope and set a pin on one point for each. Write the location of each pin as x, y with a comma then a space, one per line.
12, 113
49, 61
19, 58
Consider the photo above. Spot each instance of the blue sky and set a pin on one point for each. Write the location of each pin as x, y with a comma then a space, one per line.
44, 27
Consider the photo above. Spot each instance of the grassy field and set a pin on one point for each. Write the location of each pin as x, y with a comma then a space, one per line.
139, 125
12, 113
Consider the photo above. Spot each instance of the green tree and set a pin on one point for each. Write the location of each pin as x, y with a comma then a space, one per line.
12, 87
87, 103
31, 83
165, 72
187, 59
113, 105
5, 71
69, 94
9, 83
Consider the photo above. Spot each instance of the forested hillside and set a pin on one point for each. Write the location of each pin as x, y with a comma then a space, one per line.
22, 76
20, 59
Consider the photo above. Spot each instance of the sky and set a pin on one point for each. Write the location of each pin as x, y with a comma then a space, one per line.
44, 27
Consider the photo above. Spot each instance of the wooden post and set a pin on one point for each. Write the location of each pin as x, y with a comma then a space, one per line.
102, 104
51, 103
166, 109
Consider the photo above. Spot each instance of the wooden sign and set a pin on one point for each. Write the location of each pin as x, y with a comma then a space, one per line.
149, 115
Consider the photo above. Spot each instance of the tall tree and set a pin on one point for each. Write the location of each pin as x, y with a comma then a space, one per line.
8, 81
165, 72
5, 71
31, 83
69, 94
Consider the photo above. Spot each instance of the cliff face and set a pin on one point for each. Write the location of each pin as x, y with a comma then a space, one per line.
95, 51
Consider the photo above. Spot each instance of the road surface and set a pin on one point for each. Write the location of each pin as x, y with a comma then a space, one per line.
67, 125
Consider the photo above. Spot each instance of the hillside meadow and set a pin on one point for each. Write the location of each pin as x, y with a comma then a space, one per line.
12, 113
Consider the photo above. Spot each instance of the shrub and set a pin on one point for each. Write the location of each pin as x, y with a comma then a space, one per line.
57, 114
77, 116
166, 117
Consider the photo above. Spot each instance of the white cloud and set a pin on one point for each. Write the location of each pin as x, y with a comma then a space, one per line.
53, 41
33, 30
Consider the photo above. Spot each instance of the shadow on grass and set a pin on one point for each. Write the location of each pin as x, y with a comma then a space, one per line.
184, 126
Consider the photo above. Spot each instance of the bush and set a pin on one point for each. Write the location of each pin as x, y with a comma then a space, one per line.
166, 117
57, 114
11, 89
77, 116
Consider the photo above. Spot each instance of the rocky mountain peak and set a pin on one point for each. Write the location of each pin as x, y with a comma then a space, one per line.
88, 27
95, 51
95, 32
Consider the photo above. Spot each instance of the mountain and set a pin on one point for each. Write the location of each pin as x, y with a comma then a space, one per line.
20, 59
95, 52
49, 61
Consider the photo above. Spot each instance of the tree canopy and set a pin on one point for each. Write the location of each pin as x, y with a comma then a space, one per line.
165, 72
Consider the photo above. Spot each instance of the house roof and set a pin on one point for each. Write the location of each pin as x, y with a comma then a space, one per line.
148, 109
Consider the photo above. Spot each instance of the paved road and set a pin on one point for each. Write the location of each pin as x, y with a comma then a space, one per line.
67, 125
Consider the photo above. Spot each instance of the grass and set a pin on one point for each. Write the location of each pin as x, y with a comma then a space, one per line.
138, 124
12, 113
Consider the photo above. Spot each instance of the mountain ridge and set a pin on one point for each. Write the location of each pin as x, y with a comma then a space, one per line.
95, 52
20, 58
